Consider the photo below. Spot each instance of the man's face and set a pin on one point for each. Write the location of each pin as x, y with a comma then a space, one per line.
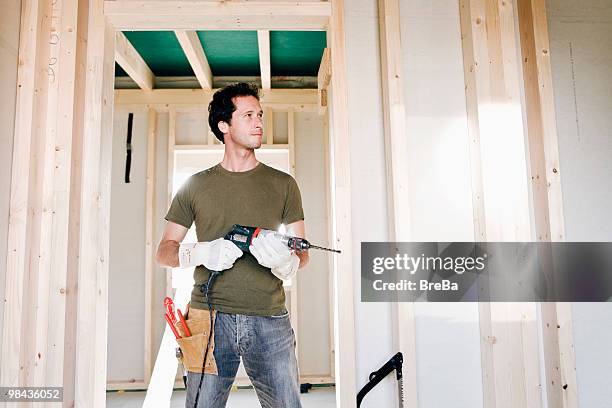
246, 129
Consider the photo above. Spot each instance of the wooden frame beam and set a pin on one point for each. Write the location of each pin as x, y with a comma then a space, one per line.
556, 321
161, 99
24, 255
150, 267
190, 42
94, 213
343, 273
234, 15
263, 41
130, 60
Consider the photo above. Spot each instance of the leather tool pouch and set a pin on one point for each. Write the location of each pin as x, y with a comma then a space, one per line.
194, 347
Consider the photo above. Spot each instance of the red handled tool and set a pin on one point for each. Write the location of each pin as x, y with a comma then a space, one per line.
170, 316
176, 333
183, 323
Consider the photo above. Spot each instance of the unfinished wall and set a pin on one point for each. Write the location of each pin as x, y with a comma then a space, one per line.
9, 46
581, 53
448, 355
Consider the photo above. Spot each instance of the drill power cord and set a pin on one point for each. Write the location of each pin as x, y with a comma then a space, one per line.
213, 275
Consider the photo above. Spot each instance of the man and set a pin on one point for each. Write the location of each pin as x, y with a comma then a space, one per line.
251, 320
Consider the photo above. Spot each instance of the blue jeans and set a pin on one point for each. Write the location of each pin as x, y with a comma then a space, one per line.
267, 347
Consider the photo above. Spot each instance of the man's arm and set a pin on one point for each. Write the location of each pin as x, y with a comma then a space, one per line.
168, 248
298, 229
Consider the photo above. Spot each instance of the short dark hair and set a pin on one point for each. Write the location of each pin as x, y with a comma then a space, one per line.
222, 106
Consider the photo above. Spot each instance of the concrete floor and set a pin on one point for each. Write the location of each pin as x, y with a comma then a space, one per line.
319, 397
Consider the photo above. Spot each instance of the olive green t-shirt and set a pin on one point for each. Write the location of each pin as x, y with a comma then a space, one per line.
216, 199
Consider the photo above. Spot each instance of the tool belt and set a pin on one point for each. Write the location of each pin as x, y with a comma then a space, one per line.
194, 346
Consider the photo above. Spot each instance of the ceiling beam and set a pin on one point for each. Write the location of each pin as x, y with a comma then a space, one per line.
226, 15
161, 99
190, 42
263, 39
130, 60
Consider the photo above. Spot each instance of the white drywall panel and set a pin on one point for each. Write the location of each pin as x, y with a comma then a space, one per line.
447, 335
127, 231
448, 355
9, 46
581, 54
592, 339
373, 327
313, 279
436, 121
191, 127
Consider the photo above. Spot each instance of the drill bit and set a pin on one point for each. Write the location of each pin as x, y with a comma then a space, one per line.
325, 249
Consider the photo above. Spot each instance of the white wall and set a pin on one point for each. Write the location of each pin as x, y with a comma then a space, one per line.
582, 81
9, 45
126, 276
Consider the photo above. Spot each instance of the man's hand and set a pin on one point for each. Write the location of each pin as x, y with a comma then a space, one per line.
217, 255
272, 253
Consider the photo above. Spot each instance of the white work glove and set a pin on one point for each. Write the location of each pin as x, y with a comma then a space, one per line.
217, 255
272, 253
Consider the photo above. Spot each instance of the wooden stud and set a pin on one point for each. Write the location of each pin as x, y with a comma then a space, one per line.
269, 125
263, 40
234, 15
149, 269
559, 358
291, 139
26, 197
344, 316
92, 307
171, 148
190, 42
294, 282
63, 112
330, 238
130, 60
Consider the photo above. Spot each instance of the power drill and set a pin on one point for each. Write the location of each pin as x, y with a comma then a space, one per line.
243, 236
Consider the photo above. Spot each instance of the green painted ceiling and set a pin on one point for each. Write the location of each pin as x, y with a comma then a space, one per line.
231, 53
296, 52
